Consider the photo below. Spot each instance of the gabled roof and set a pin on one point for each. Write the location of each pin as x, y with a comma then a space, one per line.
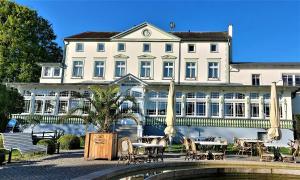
129, 76
202, 36
183, 36
142, 25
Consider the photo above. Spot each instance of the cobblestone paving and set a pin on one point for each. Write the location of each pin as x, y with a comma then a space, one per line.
70, 164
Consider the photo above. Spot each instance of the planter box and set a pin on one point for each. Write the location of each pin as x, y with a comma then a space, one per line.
100, 146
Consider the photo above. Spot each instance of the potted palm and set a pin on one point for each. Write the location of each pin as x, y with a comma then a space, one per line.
104, 111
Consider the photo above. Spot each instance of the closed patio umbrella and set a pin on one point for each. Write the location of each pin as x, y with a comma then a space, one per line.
274, 132
170, 118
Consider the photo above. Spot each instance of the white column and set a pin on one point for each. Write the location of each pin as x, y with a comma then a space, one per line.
56, 103
221, 106
247, 107
32, 103
261, 107
207, 108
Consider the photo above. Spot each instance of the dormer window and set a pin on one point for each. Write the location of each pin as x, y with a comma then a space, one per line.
100, 47
121, 46
79, 47
213, 48
191, 48
146, 47
49, 72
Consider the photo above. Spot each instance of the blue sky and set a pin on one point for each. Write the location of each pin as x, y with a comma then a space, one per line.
262, 30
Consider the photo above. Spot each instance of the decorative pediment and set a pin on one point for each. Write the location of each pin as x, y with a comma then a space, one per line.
129, 79
121, 56
168, 57
145, 32
146, 56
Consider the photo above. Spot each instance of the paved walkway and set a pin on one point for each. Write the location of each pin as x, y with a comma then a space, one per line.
68, 165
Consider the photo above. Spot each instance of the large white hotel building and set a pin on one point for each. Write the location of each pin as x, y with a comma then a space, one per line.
215, 96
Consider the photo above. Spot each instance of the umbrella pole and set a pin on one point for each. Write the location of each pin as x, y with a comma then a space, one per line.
170, 142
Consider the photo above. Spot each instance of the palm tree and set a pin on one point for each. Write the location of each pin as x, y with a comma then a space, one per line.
105, 107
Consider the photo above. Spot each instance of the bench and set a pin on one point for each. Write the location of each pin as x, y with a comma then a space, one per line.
21, 142
53, 135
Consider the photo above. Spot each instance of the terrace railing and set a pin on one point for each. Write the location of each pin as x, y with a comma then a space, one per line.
218, 122
49, 119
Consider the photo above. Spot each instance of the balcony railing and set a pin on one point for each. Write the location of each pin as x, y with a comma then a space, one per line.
219, 122
48, 119
180, 121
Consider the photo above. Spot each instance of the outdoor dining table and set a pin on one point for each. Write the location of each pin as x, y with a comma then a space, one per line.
211, 143
150, 149
148, 139
252, 143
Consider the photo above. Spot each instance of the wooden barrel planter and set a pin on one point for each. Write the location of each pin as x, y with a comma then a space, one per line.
100, 146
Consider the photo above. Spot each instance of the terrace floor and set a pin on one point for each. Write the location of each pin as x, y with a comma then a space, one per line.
70, 164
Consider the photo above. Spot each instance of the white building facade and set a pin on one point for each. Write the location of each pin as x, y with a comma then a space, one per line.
214, 96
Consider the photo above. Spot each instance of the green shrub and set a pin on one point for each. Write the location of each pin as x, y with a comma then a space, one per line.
69, 141
50, 145
1, 141
82, 141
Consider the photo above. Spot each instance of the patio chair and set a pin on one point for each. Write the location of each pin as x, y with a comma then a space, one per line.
197, 154
161, 151
186, 145
154, 141
290, 157
244, 148
123, 150
264, 154
128, 153
218, 153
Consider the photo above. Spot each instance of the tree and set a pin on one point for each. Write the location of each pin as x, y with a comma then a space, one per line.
10, 102
25, 39
106, 103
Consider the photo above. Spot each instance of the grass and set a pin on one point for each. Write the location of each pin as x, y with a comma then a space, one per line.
16, 155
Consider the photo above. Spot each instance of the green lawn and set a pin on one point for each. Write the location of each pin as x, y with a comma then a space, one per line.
16, 155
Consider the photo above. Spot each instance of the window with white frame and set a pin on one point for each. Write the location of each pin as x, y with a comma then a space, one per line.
77, 69
240, 109
191, 48
200, 108
214, 95
190, 109
120, 68
255, 79
213, 70
169, 48
146, 47
99, 69
162, 108
267, 110
254, 96
121, 47
62, 107
79, 47
38, 106
100, 47
168, 68
214, 107
178, 108
86, 107
64, 94
56, 72
291, 79
254, 110
190, 70
26, 106
151, 108
145, 69
49, 106
47, 72
228, 109
213, 47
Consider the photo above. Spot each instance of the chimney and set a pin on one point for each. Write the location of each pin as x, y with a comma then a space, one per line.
230, 30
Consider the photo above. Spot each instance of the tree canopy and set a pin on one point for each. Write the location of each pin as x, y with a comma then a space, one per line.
10, 102
25, 39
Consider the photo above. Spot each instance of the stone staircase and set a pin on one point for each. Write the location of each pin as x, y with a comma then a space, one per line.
127, 131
